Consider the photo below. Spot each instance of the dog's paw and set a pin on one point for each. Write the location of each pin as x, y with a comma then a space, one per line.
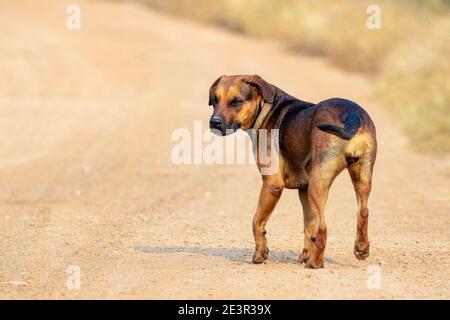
314, 264
304, 257
361, 251
260, 256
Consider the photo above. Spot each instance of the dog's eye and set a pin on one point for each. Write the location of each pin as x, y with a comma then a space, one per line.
214, 100
236, 102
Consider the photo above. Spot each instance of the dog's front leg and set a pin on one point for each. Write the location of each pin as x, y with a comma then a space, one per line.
268, 198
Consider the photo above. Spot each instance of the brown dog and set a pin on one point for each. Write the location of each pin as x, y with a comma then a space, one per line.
316, 142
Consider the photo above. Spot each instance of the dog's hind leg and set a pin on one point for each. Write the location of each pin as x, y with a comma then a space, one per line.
268, 198
316, 229
361, 175
307, 220
325, 167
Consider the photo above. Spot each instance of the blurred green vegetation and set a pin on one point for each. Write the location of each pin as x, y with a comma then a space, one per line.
408, 58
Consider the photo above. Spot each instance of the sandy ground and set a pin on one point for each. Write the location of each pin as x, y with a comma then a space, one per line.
86, 178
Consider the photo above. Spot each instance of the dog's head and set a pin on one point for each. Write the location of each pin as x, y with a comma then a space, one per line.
236, 101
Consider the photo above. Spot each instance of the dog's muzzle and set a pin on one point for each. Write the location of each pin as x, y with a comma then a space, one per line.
216, 123
218, 127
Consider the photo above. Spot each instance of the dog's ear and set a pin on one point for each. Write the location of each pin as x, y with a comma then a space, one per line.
266, 90
213, 89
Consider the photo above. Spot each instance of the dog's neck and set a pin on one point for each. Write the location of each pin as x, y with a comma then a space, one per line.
270, 115
264, 110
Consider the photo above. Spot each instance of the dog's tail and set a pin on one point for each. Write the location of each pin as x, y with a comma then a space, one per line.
351, 125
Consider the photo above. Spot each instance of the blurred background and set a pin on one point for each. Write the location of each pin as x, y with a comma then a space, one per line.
407, 58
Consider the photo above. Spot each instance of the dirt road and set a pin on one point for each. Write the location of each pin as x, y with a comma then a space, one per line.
86, 179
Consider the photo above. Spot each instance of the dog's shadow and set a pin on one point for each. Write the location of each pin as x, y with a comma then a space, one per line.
233, 254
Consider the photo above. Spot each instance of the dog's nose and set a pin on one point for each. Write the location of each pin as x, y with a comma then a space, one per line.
215, 122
